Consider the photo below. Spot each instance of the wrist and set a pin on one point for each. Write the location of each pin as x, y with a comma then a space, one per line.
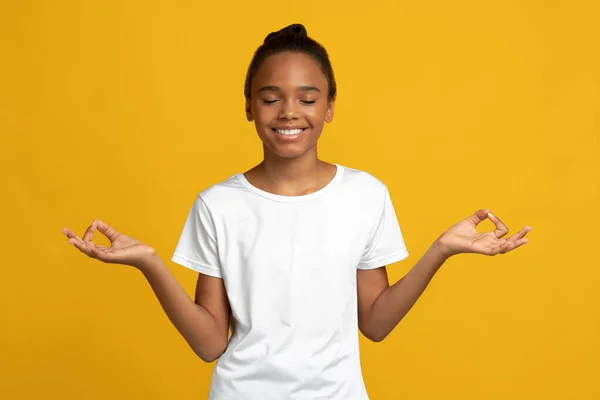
149, 262
441, 250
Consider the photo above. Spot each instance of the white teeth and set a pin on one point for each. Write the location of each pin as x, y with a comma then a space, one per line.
289, 132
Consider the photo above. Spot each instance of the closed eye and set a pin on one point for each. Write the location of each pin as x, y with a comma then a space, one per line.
269, 101
308, 101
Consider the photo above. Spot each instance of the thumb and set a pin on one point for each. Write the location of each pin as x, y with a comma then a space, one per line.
107, 230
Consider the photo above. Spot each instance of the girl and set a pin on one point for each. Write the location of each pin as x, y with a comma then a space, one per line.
291, 254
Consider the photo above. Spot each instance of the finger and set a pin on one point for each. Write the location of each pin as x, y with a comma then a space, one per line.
87, 237
518, 243
520, 234
92, 250
501, 229
478, 217
80, 245
499, 249
107, 231
70, 234
509, 246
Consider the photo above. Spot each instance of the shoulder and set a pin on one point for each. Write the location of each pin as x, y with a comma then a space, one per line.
222, 196
363, 181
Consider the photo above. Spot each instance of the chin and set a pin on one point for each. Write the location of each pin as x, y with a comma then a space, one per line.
288, 154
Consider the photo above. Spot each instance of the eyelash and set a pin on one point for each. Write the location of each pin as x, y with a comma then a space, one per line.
303, 101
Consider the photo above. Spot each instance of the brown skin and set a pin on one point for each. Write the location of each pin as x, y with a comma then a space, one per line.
381, 307
280, 99
202, 323
292, 169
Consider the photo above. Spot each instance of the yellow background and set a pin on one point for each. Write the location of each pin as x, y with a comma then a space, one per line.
125, 110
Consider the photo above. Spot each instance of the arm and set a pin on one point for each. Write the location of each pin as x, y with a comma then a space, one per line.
204, 323
380, 306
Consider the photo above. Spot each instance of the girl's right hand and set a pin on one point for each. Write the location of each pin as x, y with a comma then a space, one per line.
123, 249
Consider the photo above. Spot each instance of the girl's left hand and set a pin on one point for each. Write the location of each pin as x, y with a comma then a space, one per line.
463, 238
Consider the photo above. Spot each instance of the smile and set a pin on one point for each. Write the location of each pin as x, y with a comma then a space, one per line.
290, 132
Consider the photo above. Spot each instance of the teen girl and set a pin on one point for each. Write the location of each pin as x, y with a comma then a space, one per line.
291, 254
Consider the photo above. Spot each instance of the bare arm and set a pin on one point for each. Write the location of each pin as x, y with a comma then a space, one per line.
381, 307
204, 323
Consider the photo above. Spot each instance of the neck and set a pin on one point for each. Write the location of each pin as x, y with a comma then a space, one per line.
291, 176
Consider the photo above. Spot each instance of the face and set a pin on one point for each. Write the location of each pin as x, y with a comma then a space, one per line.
289, 104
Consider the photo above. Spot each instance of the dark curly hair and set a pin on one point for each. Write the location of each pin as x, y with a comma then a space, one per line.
292, 38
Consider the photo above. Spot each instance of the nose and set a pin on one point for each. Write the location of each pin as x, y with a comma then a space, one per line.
288, 110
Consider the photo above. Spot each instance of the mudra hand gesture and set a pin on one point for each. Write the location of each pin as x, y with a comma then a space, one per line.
123, 249
463, 238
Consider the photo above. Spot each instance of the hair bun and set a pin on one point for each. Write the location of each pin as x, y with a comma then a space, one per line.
291, 30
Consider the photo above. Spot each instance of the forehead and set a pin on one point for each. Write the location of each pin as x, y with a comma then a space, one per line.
289, 69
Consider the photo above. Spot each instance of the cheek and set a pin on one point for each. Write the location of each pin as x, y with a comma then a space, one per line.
263, 120
264, 115
316, 115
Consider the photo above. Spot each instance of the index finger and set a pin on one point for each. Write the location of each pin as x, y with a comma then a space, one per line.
87, 237
501, 229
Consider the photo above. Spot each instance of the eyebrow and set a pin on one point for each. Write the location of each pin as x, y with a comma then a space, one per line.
278, 89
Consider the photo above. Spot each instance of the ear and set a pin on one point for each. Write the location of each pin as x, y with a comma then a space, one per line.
249, 115
330, 109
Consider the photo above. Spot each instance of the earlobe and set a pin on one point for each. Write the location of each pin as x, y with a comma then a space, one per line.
329, 113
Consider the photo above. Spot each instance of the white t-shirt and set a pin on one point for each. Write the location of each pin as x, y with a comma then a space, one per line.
289, 268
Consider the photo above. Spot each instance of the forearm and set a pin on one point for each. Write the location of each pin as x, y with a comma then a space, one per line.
397, 300
195, 323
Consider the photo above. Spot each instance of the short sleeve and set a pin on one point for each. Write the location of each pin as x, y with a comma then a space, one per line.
197, 247
386, 245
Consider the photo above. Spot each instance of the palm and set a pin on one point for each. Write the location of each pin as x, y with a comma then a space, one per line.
464, 238
123, 249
